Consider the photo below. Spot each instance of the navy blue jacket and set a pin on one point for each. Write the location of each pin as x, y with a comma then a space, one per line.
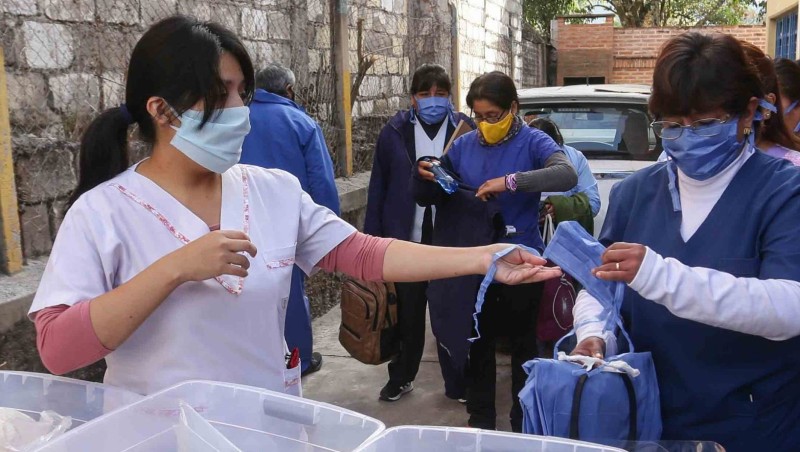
283, 136
390, 206
462, 220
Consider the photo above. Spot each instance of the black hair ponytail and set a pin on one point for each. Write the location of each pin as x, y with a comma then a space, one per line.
103, 152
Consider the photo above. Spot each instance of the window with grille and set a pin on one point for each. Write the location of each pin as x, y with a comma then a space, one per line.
786, 36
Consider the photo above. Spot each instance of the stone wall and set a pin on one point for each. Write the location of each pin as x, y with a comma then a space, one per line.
66, 62
535, 58
490, 39
625, 55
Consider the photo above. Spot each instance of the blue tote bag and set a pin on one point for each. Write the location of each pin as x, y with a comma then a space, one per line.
614, 403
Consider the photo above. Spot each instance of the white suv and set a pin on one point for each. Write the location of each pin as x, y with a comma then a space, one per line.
610, 124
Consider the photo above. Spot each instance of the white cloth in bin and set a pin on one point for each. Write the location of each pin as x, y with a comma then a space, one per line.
202, 330
18, 431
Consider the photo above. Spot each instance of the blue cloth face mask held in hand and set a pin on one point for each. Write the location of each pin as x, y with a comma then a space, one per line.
562, 398
217, 146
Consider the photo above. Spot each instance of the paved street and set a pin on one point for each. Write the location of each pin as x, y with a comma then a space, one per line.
345, 382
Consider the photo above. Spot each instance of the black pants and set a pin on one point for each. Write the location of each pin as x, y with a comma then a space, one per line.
412, 304
508, 311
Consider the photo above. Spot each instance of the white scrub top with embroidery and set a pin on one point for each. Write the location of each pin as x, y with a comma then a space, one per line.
226, 329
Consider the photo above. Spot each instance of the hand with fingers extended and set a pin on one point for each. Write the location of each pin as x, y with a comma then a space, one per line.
216, 253
591, 346
520, 267
621, 262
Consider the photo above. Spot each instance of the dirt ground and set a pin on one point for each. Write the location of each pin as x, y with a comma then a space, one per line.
18, 345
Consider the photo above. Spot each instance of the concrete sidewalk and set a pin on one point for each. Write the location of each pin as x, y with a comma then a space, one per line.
345, 382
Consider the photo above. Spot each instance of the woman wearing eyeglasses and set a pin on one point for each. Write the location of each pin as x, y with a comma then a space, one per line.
707, 244
513, 164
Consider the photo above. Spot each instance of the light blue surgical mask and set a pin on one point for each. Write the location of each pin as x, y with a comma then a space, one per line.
433, 109
704, 151
217, 146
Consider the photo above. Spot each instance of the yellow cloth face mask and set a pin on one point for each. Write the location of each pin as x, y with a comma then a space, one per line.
493, 133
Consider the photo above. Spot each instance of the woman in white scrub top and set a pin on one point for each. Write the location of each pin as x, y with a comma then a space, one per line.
179, 267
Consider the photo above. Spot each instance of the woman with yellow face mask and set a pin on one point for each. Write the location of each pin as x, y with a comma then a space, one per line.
513, 164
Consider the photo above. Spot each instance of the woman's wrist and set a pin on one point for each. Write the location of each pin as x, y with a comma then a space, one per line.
169, 268
511, 182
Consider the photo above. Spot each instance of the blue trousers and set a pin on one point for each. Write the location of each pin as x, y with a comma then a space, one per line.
298, 319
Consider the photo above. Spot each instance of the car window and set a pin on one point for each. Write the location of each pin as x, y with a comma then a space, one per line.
602, 131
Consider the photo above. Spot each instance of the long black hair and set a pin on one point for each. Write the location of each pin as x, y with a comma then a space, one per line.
177, 59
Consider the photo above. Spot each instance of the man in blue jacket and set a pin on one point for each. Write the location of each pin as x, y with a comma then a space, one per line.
283, 136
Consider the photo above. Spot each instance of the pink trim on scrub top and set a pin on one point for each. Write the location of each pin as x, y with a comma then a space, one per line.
185, 240
67, 341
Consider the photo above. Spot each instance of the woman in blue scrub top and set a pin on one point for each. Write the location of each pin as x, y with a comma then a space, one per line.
709, 247
513, 164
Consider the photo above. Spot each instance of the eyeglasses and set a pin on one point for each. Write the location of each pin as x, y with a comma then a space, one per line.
489, 119
669, 130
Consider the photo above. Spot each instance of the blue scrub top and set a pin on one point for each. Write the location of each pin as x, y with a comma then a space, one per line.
739, 390
528, 150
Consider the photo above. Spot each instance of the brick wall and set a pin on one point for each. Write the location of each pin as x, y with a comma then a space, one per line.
636, 49
624, 55
584, 50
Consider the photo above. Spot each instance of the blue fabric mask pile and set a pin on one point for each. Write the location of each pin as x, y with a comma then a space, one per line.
616, 402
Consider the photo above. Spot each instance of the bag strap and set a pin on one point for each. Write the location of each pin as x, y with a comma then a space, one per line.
549, 229
610, 316
576, 407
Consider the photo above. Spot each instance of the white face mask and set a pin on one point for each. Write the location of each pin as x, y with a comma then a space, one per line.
218, 145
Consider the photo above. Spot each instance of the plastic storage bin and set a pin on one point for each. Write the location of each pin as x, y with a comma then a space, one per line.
83, 401
252, 419
445, 439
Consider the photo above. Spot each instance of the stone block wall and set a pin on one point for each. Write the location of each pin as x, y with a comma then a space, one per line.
66, 61
490, 39
534, 58
625, 55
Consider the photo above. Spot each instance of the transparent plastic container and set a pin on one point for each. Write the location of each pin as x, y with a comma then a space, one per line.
32, 393
252, 419
446, 439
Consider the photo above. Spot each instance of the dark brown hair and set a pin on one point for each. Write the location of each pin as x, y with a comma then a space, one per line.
496, 87
788, 73
429, 75
772, 129
549, 127
696, 73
